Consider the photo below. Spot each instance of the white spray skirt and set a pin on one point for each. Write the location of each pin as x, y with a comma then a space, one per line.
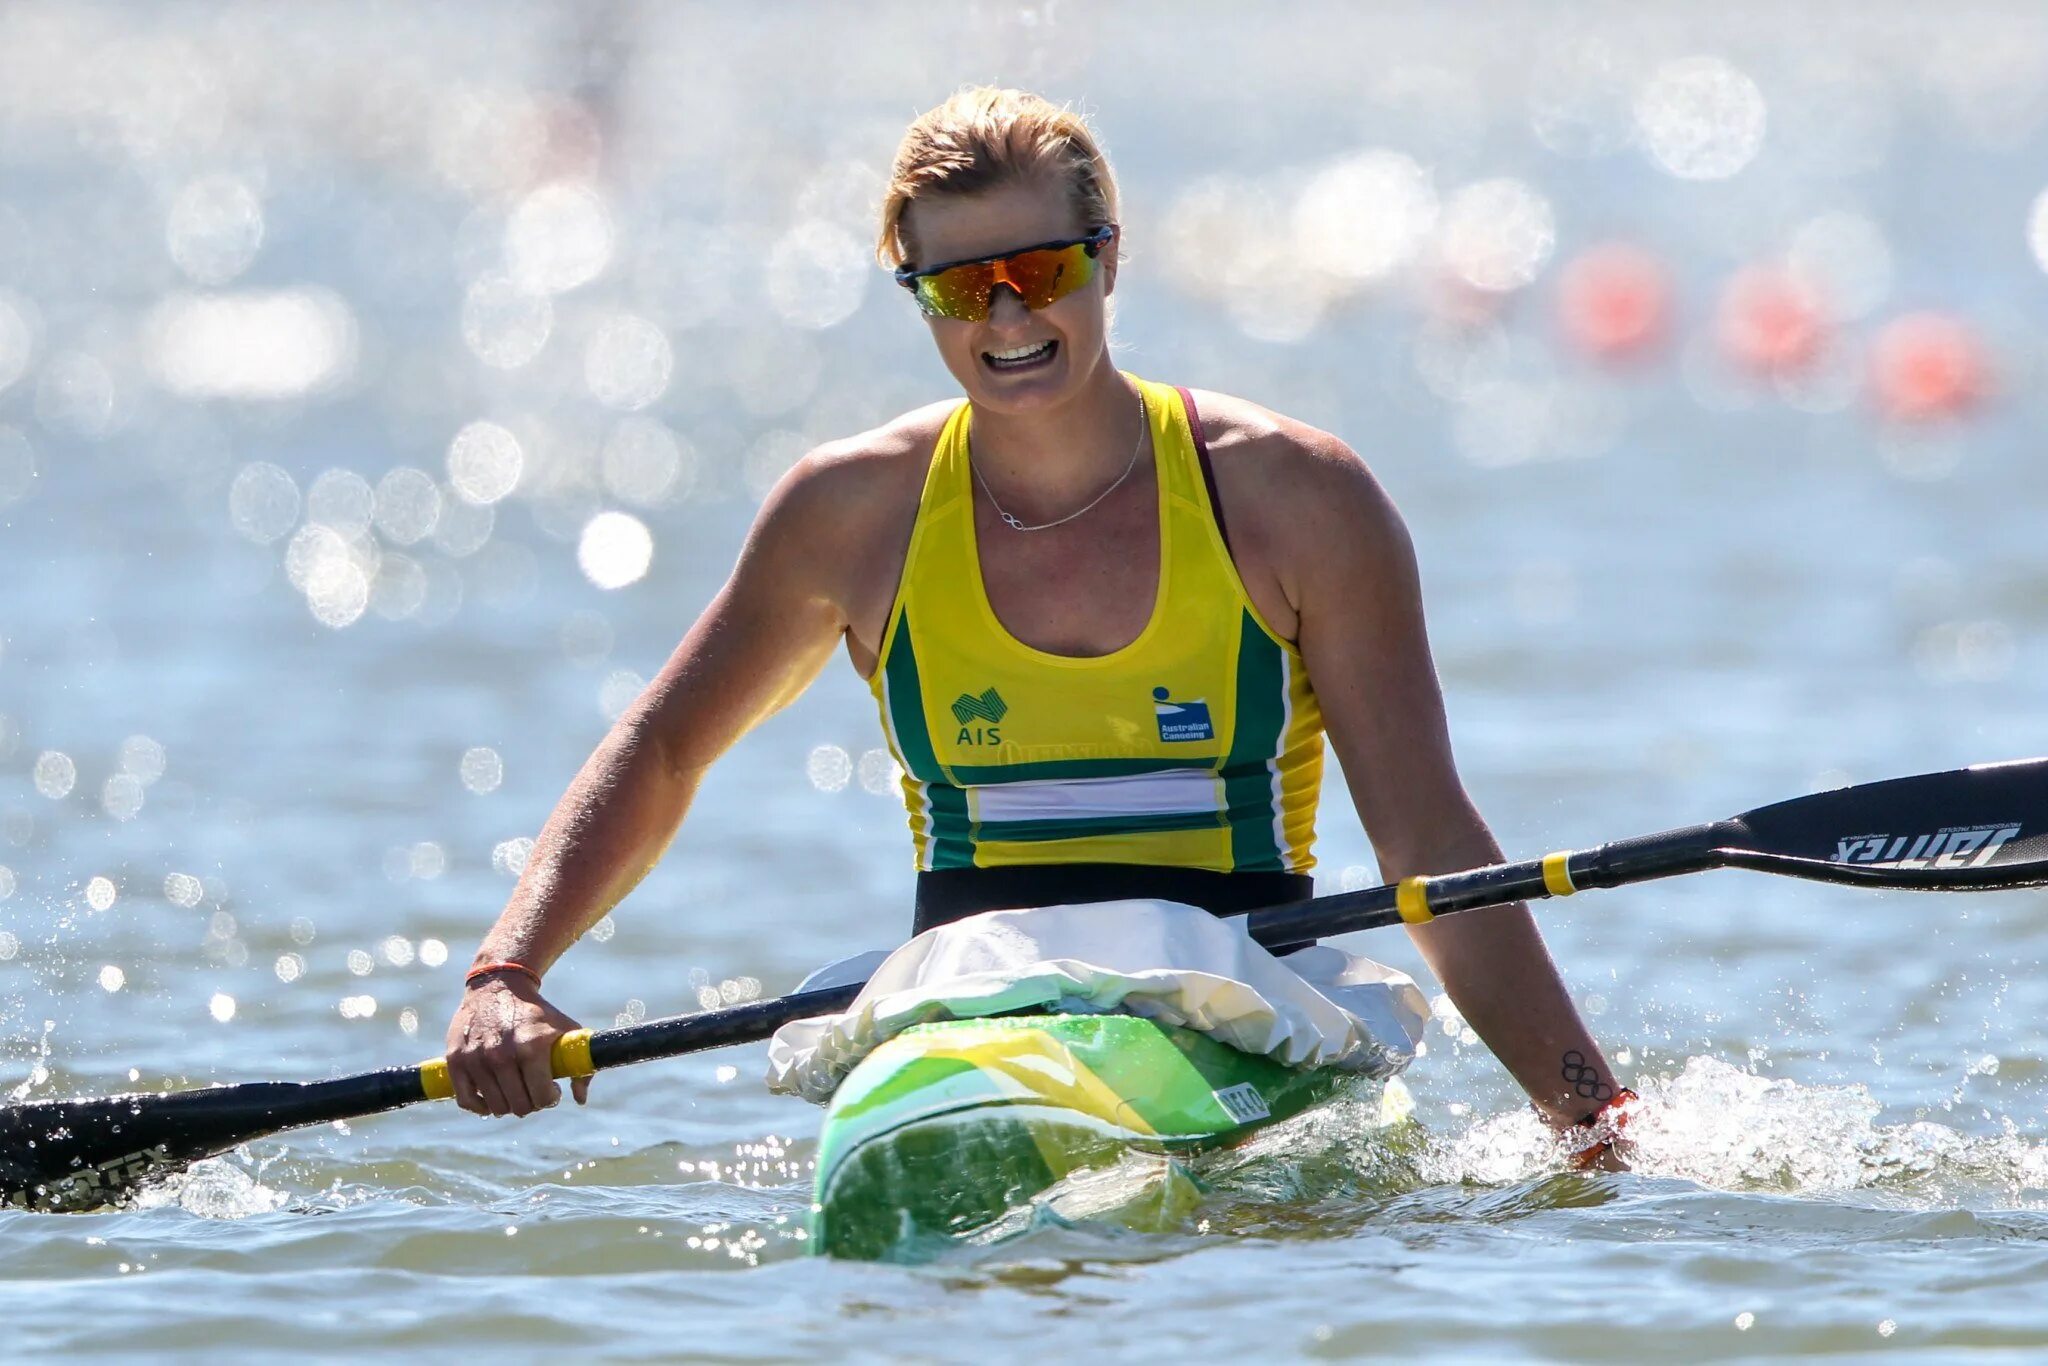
1177, 964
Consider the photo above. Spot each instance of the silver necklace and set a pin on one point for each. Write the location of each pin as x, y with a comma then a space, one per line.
1144, 431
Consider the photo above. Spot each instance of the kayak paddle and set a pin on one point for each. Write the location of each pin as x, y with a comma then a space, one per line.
1971, 829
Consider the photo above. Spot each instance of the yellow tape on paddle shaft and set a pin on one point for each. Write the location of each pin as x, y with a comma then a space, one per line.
1557, 873
570, 1057
1411, 899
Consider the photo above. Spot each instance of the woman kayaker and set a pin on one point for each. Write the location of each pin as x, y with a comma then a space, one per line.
1107, 622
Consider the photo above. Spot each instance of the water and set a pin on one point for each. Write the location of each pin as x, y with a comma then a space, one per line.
1657, 595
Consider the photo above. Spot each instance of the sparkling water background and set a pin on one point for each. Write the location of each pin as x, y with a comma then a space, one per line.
383, 389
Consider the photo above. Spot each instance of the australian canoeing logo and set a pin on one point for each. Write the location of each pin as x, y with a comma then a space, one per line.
989, 708
1180, 721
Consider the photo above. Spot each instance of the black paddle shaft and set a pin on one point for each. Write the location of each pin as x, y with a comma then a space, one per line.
78, 1154
1970, 829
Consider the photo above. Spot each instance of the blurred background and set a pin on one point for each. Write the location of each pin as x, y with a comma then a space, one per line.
385, 387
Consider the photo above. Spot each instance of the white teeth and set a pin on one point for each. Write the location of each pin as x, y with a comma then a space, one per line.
1021, 352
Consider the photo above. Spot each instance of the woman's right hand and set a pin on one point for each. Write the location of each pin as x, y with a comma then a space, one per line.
499, 1045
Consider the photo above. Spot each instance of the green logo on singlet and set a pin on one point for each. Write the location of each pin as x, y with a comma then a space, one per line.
989, 708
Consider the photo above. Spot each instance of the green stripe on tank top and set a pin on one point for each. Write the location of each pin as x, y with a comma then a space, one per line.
1081, 827
947, 843
1247, 774
1068, 770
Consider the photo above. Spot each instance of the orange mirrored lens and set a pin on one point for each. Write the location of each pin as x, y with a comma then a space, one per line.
1039, 277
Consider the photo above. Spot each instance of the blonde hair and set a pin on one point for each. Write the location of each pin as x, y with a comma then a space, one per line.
984, 137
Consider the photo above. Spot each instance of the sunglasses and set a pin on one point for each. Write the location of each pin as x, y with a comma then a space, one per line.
962, 290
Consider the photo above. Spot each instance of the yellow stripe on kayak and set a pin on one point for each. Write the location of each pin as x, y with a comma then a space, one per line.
1043, 1067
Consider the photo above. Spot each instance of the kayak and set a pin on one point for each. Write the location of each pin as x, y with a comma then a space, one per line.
949, 1129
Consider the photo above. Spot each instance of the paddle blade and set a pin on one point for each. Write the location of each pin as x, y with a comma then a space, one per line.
66, 1155
1970, 829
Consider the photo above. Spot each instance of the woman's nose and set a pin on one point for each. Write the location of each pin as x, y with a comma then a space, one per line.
1006, 306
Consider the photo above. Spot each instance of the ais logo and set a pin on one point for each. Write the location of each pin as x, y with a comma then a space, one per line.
1180, 721
989, 708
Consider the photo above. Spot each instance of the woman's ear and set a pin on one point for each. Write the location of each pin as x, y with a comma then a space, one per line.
1112, 254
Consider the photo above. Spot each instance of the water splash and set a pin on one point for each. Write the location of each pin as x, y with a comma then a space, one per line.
1711, 1124
39, 1070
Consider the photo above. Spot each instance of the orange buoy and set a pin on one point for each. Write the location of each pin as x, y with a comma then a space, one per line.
1614, 302
1927, 367
1772, 324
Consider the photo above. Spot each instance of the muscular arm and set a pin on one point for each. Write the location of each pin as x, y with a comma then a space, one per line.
1359, 599
758, 644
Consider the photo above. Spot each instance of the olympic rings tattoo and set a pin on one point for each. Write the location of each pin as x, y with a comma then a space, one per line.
1585, 1078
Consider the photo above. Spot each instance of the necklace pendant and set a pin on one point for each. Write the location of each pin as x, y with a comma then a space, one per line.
1016, 524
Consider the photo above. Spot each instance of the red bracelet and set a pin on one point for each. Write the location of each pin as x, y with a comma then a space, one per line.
486, 969
1595, 1136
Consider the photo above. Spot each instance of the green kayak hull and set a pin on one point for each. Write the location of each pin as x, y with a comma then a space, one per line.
947, 1128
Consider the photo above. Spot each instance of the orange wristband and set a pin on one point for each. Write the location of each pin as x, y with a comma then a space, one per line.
486, 969
1595, 1135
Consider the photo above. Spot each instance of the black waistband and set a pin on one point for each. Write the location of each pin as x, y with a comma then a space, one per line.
950, 894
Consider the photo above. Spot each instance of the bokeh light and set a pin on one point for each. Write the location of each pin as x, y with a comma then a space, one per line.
1614, 302
504, 325
620, 689
407, 505
1929, 366
121, 796
615, 549
559, 237
880, 773
627, 363
482, 770
215, 228
1497, 234
1364, 215
263, 502
509, 856
646, 464
54, 774
343, 501
143, 759
251, 346
829, 768
484, 463
818, 273
1772, 323
1700, 118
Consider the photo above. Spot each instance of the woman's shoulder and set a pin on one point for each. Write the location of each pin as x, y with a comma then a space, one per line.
1271, 464
870, 471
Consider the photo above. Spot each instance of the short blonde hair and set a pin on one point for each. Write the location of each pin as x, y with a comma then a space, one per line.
983, 137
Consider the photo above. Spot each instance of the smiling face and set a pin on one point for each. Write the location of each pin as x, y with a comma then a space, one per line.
1016, 360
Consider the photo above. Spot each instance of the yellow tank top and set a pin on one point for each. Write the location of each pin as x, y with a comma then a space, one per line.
1198, 745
